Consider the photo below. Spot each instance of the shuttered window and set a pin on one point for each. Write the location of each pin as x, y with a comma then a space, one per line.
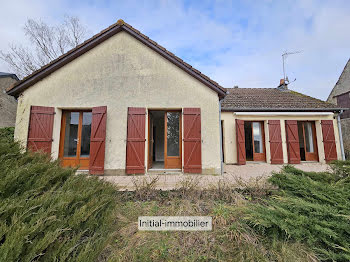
275, 141
98, 140
292, 142
192, 140
240, 138
135, 146
40, 129
330, 149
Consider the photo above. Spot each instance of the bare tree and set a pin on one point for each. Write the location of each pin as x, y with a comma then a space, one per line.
46, 44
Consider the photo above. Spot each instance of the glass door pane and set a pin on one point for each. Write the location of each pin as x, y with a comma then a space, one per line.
71, 134
85, 135
258, 140
173, 132
309, 141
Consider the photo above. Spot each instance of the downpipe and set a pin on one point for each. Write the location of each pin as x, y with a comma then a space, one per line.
341, 135
221, 153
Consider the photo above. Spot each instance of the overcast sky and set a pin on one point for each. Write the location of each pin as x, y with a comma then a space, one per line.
233, 42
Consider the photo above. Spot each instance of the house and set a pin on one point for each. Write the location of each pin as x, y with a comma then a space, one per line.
278, 126
121, 103
340, 95
8, 105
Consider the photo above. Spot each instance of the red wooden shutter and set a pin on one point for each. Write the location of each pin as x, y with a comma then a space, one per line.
40, 129
330, 149
135, 146
192, 140
98, 140
275, 142
292, 142
240, 138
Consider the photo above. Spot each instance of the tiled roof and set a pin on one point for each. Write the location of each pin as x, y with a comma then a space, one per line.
100, 37
272, 99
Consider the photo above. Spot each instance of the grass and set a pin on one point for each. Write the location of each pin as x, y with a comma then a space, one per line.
49, 214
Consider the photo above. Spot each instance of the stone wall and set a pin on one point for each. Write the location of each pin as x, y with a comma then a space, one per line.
8, 104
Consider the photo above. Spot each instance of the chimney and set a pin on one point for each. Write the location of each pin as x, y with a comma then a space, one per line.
283, 85
235, 87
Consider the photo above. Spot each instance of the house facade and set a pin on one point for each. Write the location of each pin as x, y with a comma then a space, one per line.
340, 95
120, 103
8, 105
278, 126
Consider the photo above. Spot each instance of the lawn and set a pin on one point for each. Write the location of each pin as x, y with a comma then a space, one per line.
49, 214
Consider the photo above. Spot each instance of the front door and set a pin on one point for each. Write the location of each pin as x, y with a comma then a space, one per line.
75, 139
307, 141
172, 139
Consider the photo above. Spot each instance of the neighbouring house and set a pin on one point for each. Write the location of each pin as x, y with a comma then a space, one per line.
8, 105
340, 95
121, 103
278, 126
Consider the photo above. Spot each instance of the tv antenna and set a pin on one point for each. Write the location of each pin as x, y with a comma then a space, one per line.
284, 57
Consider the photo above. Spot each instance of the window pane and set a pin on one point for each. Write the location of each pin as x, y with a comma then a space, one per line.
258, 144
71, 134
309, 137
173, 129
86, 134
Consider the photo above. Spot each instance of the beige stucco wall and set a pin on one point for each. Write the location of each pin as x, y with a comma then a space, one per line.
120, 73
230, 149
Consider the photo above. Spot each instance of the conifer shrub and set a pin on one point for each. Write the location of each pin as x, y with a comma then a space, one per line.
310, 207
47, 213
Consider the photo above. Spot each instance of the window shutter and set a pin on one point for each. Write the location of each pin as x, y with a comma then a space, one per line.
98, 140
240, 137
40, 129
343, 101
275, 141
330, 149
292, 142
192, 140
135, 146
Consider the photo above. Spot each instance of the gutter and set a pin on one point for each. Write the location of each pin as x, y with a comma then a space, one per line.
341, 136
282, 109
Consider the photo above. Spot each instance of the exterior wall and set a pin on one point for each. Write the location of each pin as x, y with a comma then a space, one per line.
119, 73
230, 148
8, 104
343, 86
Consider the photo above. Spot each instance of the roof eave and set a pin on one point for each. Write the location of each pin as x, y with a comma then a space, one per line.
282, 109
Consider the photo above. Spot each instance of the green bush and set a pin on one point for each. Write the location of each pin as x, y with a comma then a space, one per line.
47, 213
309, 207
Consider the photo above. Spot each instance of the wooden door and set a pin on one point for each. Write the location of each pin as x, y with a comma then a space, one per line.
75, 139
172, 139
309, 139
192, 140
135, 146
258, 138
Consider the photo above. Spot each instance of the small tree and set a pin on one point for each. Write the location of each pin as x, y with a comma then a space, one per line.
46, 44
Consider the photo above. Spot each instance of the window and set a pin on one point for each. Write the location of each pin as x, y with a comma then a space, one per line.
343, 100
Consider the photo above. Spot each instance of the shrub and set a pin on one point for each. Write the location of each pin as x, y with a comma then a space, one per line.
46, 212
310, 207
